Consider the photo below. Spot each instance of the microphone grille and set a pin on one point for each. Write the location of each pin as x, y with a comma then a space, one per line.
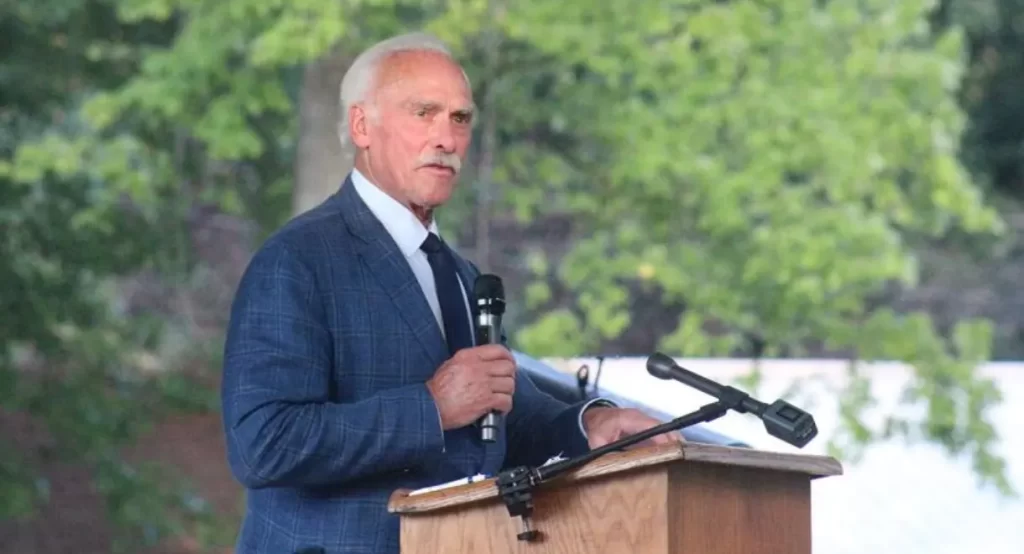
489, 286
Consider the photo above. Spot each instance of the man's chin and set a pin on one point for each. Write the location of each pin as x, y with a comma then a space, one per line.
434, 195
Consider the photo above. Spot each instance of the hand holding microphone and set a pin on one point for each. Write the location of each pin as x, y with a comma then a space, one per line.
472, 384
478, 382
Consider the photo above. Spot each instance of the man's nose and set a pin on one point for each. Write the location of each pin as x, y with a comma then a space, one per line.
443, 135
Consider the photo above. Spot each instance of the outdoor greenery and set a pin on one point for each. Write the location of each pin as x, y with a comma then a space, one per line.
769, 168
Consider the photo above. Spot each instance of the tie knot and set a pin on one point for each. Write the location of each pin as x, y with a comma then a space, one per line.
432, 244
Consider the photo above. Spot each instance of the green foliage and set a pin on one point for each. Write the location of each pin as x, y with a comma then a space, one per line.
153, 504
78, 209
22, 491
766, 163
159, 106
955, 398
92, 399
991, 92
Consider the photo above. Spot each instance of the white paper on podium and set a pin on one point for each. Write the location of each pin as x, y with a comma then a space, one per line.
450, 484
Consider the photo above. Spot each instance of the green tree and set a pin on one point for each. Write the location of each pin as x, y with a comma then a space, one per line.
77, 211
995, 41
766, 164
157, 107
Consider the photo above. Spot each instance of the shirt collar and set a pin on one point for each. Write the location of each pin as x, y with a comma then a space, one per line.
404, 227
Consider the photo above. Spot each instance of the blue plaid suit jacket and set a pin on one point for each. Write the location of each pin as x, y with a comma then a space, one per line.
325, 406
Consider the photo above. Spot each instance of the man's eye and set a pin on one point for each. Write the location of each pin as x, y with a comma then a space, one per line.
421, 113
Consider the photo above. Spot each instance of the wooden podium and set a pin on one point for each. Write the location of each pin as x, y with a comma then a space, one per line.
680, 498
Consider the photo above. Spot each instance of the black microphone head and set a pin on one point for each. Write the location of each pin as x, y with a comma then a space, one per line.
660, 365
489, 292
790, 424
489, 286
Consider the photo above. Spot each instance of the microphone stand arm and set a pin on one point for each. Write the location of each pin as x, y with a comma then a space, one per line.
516, 485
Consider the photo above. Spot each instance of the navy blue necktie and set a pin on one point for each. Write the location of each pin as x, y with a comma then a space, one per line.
449, 294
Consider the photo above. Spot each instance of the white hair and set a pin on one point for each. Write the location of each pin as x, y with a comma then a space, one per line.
360, 78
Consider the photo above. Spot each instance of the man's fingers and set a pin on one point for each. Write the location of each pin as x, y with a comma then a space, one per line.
667, 438
490, 352
501, 368
505, 385
502, 403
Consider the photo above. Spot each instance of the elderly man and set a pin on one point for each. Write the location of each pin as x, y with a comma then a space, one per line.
349, 368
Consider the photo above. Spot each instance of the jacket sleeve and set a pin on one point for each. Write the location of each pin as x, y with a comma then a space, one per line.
541, 426
281, 427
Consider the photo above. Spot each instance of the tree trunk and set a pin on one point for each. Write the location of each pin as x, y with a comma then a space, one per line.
489, 138
320, 163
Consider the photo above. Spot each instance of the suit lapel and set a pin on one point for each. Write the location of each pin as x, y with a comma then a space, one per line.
389, 266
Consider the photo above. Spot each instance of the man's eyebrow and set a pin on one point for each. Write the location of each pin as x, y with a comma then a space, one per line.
422, 104
434, 106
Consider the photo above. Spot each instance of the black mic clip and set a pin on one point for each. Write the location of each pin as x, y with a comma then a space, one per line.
516, 489
733, 398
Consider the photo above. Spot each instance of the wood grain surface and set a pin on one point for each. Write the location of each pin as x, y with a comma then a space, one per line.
676, 499
617, 462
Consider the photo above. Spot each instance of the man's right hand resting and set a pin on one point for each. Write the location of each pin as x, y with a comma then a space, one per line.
473, 382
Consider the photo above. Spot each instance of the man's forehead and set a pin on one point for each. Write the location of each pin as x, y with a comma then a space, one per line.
424, 77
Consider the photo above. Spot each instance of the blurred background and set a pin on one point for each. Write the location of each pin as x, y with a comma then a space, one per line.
822, 199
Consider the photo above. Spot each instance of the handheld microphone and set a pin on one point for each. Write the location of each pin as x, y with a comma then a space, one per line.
782, 420
490, 303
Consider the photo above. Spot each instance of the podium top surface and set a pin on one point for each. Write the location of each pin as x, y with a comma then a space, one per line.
812, 465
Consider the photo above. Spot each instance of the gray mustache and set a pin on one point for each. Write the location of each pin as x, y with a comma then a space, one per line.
448, 160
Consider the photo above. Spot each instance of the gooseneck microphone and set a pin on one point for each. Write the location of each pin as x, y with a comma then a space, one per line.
782, 420
490, 306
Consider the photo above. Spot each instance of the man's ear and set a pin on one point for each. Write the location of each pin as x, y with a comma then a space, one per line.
359, 126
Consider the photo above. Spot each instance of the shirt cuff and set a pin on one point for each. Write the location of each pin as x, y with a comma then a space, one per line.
440, 425
597, 402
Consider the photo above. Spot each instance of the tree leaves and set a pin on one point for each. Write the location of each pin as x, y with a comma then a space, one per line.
768, 162
79, 207
763, 163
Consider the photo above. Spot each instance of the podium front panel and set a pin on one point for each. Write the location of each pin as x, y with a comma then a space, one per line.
720, 509
614, 514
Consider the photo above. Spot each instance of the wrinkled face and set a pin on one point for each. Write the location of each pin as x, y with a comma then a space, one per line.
415, 132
